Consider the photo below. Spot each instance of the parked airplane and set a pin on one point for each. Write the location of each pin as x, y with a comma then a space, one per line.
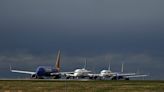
115, 75
79, 73
44, 71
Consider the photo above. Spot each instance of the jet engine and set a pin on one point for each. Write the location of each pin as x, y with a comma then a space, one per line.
34, 76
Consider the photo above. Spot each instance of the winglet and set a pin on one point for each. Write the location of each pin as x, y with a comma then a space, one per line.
57, 65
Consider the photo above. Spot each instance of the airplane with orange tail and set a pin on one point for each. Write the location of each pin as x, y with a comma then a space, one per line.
44, 71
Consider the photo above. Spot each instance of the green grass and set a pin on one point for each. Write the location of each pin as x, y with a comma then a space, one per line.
80, 86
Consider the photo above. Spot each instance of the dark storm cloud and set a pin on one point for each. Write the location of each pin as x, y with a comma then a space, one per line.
128, 29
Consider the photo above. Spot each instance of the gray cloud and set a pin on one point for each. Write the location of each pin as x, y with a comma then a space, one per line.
129, 30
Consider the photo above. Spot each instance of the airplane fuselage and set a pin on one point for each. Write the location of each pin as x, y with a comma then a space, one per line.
80, 73
105, 73
46, 71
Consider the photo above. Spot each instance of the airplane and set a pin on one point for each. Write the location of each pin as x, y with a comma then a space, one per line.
108, 74
78, 73
44, 71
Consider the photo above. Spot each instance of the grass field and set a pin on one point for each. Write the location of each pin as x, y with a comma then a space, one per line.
80, 86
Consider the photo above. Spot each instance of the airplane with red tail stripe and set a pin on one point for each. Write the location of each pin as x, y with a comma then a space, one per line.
44, 71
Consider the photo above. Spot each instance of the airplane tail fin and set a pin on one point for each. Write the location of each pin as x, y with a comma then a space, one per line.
57, 65
10, 68
122, 67
109, 68
85, 63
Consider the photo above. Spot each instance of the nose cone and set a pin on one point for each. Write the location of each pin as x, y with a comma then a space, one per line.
105, 73
40, 71
77, 74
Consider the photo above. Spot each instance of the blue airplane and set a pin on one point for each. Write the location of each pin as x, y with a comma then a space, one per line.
44, 71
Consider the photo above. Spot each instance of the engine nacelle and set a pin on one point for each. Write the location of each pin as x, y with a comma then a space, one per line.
34, 76
117, 77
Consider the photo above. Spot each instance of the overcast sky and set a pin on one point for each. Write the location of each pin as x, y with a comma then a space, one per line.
130, 31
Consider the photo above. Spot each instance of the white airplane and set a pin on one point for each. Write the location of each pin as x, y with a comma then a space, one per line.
78, 73
105, 74
44, 71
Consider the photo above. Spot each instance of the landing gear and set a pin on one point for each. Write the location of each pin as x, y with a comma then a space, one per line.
120, 78
115, 78
127, 79
34, 76
67, 77
70, 77
56, 77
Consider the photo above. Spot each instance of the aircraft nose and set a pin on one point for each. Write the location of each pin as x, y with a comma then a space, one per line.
76, 74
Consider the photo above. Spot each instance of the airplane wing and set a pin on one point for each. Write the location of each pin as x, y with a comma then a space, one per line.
129, 75
70, 75
94, 75
66, 73
135, 76
62, 73
124, 74
19, 71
